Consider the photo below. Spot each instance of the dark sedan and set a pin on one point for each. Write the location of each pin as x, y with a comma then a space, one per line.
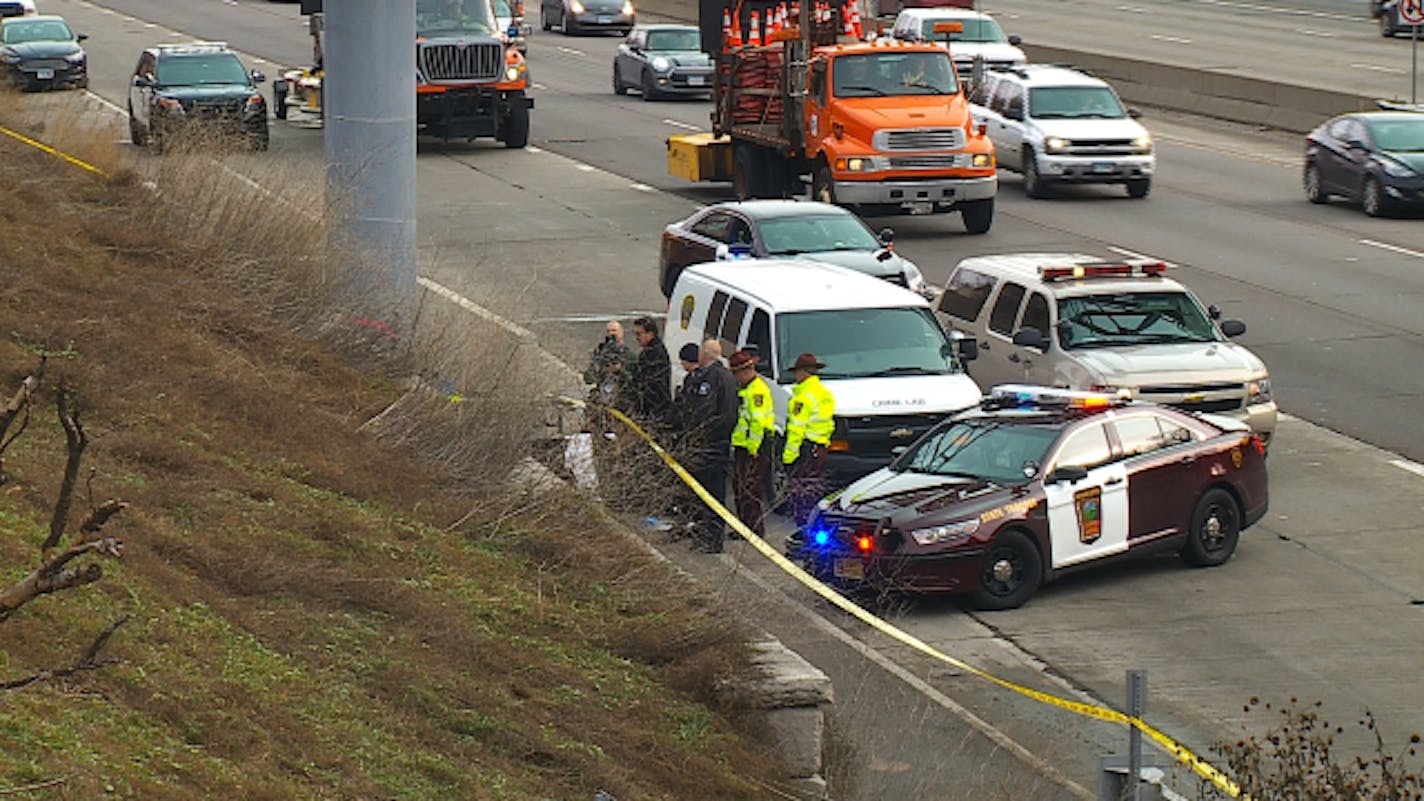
660, 60
769, 228
997, 500
1374, 158
576, 16
41, 52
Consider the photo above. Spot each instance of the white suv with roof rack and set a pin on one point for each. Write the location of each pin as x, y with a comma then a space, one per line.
1070, 320
1059, 125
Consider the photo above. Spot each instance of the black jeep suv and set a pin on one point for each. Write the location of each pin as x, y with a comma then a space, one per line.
179, 89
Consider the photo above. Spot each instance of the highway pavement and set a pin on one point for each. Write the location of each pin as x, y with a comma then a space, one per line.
1323, 600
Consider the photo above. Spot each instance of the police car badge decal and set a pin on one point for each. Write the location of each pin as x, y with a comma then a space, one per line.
1088, 502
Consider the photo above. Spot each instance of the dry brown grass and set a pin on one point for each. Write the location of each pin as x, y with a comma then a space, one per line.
318, 612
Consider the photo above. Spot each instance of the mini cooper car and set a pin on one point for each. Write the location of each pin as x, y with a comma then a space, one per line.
661, 60
997, 500
770, 228
41, 52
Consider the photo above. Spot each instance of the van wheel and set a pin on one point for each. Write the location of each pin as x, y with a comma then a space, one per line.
1012, 572
748, 167
978, 215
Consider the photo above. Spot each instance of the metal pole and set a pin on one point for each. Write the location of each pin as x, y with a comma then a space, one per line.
1136, 700
1414, 66
368, 97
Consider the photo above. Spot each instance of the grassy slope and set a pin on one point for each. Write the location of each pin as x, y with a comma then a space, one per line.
307, 623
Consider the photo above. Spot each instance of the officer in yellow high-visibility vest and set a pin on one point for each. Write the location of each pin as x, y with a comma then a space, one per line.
755, 420
810, 419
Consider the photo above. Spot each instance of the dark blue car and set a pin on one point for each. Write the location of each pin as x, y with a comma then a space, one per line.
1373, 158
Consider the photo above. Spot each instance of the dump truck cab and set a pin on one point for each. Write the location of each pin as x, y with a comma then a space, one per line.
470, 75
888, 129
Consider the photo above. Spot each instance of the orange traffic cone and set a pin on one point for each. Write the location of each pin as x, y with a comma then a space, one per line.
849, 30
855, 20
735, 38
796, 14
754, 37
726, 26
773, 21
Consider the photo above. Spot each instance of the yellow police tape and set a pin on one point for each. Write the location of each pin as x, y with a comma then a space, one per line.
1183, 754
52, 151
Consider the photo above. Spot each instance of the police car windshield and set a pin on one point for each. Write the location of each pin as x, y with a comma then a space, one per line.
989, 449
1067, 102
48, 30
208, 68
975, 30
785, 236
453, 17
861, 343
1132, 318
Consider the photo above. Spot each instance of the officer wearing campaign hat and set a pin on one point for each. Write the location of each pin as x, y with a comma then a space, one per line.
755, 419
810, 419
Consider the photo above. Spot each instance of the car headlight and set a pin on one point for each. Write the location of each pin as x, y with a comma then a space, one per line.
513, 71
661, 64
950, 532
1142, 144
914, 279
855, 164
983, 160
1395, 168
1055, 144
627, 8
575, 6
1258, 391
9, 57
170, 105
75, 58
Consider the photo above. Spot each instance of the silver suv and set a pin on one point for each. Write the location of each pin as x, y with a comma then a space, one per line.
1071, 320
1058, 125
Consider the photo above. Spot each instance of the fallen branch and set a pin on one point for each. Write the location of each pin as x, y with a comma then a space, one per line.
77, 440
53, 575
30, 788
19, 403
89, 660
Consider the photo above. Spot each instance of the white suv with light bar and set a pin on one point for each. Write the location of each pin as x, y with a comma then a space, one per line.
1073, 321
1058, 125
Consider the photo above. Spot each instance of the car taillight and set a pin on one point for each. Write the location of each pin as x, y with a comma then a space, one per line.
1260, 446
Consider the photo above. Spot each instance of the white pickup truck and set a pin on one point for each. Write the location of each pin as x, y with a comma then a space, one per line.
1057, 125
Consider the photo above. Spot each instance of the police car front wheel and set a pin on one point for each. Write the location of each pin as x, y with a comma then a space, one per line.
1216, 527
1012, 571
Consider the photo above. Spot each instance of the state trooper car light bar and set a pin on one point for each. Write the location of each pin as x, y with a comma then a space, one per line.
1104, 270
1026, 396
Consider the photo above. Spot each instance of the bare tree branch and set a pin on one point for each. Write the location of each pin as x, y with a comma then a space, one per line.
19, 403
98, 516
30, 788
77, 441
53, 575
89, 660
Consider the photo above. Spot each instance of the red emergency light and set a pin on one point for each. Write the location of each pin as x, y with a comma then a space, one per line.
1104, 270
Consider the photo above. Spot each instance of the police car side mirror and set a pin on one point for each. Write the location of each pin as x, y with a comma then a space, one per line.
258, 77
1233, 328
142, 81
81, 37
887, 236
968, 349
1015, 40
1136, 114
1030, 338
1069, 473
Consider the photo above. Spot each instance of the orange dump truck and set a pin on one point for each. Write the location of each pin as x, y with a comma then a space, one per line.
881, 126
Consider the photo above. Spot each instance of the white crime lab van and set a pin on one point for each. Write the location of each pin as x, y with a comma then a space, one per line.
891, 367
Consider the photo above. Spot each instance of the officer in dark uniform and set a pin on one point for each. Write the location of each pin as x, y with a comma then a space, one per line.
706, 413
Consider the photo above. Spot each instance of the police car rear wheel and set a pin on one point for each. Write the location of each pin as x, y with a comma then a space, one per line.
1012, 572
1216, 527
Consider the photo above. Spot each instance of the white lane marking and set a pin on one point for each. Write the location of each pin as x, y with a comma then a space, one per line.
1218, 149
541, 87
475, 308
1173, 39
533, 149
586, 167
1390, 70
1276, 10
682, 125
569, 50
1413, 467
114, 107
1134, 9
1132, 254
641, 187
1396, 248
1309, 32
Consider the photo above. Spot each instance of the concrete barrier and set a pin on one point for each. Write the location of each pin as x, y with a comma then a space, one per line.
1209, 93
